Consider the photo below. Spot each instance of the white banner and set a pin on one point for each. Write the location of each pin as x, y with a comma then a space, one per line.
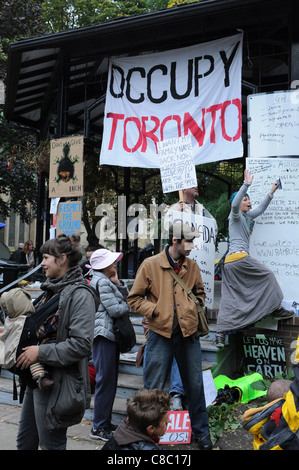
193, 91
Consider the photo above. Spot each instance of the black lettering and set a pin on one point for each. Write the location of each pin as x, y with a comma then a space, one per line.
228, 62
173, 90
122, 83
197, 75
128, 90
163, 97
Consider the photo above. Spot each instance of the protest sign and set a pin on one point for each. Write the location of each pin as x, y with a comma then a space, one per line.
66, 167
192, 91
68, 220
274, 240
264, 354
273, 124
177, 164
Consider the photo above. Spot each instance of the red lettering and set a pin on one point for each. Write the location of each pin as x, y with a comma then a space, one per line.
139, 141
115, 118
237, 103
196, 131
176, 118
149, 134
213, 109
186, 124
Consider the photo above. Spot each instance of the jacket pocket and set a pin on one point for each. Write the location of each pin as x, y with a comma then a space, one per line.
69, 401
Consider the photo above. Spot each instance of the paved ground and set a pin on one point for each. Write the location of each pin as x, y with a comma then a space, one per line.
78, 436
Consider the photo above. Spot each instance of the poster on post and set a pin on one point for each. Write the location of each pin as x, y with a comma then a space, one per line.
177, 164
66, 167
194, 91
204, 247
68, 219
274, 240
273, 124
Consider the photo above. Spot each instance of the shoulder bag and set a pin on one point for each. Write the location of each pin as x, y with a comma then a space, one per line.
203, 327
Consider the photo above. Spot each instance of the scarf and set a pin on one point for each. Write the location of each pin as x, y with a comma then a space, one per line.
72, 276
250, 222
176, 265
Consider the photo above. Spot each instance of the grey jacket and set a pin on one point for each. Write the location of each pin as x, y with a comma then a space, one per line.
68, 356
112, 304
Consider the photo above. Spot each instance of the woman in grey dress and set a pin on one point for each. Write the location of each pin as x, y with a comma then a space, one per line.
250, 290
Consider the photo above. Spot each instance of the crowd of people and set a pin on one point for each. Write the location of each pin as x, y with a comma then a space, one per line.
80, 329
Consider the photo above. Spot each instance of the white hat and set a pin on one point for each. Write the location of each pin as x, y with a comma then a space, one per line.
102, 258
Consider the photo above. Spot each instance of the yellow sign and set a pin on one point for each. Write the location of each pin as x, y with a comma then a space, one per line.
66, 167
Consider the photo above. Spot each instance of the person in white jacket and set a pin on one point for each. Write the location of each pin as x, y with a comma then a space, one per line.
105, 351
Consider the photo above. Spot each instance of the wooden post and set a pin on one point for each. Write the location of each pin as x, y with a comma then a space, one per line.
181, 196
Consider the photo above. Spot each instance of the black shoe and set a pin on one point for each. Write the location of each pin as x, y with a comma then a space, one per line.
102, 434
282, 314
205, 443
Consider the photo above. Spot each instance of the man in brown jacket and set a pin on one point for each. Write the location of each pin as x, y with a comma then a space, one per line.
173, 322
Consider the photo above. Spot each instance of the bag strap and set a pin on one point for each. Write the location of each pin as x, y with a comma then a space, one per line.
183, 285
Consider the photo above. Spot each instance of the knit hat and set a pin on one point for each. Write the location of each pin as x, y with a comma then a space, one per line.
102, 258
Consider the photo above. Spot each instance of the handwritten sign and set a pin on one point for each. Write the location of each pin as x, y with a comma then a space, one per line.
177, 164
68, 220
179, 428
274, 240
66, 167
273, 124
265, 355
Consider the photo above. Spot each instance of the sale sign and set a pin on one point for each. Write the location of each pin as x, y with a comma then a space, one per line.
178, 430
192, 91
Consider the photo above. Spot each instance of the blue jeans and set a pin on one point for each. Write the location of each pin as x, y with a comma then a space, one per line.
105, 356
176, 385
32, 432
187, 352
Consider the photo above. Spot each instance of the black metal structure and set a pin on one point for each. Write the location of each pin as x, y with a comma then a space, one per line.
56, 84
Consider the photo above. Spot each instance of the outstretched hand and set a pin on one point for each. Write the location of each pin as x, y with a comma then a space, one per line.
248, 178
274, 187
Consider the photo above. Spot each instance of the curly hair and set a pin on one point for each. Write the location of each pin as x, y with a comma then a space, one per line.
147, 407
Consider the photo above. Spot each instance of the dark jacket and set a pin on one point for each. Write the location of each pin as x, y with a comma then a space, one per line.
125, 438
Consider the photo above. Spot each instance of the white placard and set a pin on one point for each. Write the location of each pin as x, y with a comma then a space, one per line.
275, 237
273, 124
177, 164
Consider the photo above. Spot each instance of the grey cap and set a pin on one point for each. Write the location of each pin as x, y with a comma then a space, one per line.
182, 230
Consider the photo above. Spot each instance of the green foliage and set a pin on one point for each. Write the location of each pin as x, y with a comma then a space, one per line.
222, 418
61, 15
265, 383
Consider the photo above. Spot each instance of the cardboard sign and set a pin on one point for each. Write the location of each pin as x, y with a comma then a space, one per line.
177, 164
68, 219
66, 167
179, 428
264, 354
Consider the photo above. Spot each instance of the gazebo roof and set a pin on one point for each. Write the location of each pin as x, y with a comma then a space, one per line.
56, 83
